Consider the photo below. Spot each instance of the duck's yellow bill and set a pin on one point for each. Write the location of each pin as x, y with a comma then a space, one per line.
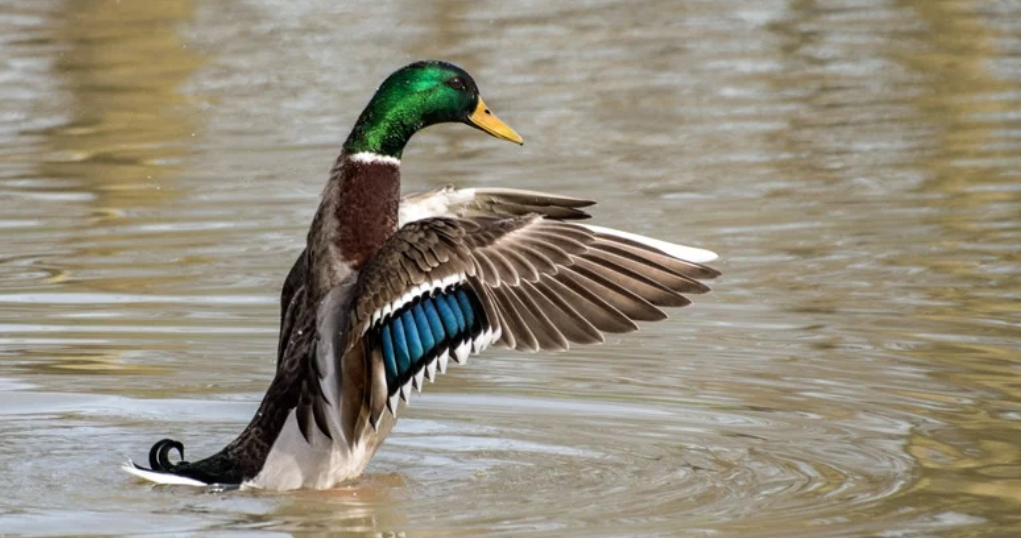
488, 122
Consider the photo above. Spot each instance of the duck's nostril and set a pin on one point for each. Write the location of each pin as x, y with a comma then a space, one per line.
488, 112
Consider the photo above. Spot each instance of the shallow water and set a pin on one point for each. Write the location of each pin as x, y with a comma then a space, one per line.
856, 372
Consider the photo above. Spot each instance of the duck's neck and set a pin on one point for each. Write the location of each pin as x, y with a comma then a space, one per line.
358, 212
384, 127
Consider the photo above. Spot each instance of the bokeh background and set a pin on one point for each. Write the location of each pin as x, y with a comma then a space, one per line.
856, 163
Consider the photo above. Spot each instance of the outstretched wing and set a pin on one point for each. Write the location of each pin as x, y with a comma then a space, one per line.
312, 369
443, 288
450, 201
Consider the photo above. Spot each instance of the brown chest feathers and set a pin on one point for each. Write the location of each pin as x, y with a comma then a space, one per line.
366, 208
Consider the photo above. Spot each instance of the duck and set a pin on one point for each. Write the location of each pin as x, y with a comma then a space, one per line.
390, 290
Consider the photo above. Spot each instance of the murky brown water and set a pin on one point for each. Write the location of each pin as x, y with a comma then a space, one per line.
857, 164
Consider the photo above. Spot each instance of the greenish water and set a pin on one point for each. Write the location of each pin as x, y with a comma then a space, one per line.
857, 371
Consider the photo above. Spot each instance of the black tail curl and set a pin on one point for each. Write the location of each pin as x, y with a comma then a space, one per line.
159, 455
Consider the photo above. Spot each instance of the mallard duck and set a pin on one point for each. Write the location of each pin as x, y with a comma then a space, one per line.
389, 290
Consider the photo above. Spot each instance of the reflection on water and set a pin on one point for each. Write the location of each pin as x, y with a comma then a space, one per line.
113, 129
856, 164
121, 65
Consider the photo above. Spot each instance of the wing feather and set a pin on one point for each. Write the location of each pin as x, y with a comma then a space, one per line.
511, 308
452, 202
595, 316
625, 277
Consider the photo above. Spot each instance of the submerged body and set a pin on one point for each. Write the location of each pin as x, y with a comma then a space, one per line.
389, 290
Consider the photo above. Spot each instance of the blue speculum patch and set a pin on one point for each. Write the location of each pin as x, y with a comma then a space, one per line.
423, 328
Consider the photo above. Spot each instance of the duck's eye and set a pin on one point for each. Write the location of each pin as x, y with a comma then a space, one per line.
457, 83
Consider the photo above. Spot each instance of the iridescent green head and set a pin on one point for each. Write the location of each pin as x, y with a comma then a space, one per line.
415, 97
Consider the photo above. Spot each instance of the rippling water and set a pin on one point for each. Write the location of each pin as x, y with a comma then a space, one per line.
857, 371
